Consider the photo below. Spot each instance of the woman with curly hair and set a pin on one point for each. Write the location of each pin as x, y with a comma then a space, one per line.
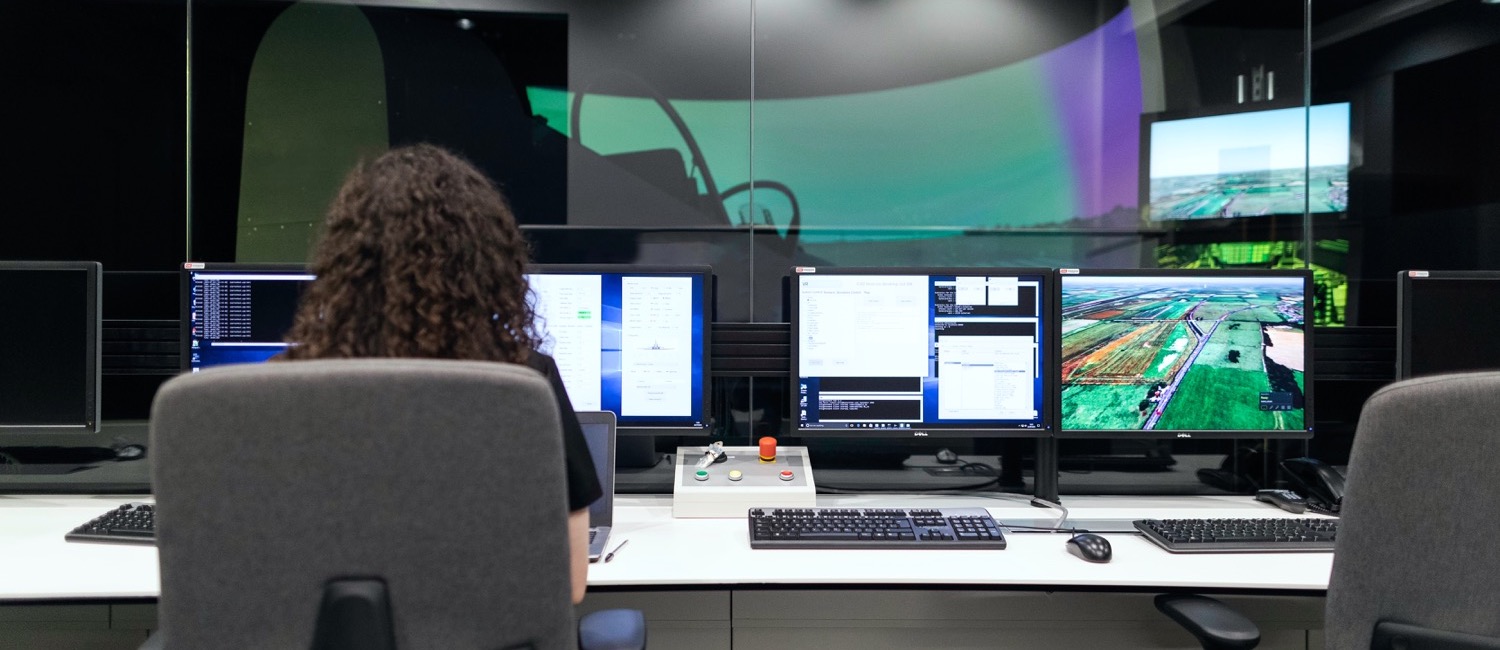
421, 257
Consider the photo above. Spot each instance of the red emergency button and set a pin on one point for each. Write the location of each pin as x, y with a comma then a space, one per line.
767, 449
786, 475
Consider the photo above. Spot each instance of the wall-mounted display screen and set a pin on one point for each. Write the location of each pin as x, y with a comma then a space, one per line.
1249, 164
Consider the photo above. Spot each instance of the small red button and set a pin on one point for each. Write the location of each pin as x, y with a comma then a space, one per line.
786, 475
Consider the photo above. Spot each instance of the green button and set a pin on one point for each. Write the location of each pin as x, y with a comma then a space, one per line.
701, 475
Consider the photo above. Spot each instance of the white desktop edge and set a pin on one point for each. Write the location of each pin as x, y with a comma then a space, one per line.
668, 552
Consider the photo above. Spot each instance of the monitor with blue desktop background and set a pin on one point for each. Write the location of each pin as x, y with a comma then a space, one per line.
237, 313
49, 346
630, 339
634, 340
922, 352
1185, 353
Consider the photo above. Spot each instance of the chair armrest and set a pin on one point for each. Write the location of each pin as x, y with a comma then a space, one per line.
612, 629
1214, 623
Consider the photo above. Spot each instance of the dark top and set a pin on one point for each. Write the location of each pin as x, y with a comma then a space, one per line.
583, 479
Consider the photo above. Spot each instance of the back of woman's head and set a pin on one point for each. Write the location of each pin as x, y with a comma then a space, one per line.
420, 257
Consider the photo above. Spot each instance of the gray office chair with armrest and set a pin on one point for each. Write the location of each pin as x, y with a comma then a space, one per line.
1415, 565
372, 503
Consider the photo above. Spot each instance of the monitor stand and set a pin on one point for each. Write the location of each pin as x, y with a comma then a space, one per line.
639, 467
636, 452
51, 460
850, 470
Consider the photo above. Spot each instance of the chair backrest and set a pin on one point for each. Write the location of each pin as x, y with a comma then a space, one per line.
443, 478
1421, 512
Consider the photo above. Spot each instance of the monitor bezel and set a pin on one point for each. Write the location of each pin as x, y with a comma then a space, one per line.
1050, 367
649, 428
94, 310
185, 292
1199, 434
1405, 314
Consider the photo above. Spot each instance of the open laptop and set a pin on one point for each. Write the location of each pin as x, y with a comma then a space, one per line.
599, 431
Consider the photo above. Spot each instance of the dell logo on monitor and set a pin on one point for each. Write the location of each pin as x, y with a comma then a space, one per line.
919, 434
1184, 435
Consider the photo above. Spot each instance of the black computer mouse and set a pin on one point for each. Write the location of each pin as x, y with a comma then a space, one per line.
946, 456
1090, 547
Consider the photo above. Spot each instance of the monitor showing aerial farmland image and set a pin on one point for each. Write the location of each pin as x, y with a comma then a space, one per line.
1185, 353
1249, 164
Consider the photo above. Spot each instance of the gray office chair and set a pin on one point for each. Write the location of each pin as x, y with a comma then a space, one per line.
1416, 563
369, 503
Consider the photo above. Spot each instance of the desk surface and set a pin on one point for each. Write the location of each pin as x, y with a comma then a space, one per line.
708, 553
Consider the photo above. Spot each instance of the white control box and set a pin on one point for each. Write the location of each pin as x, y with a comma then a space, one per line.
740, 482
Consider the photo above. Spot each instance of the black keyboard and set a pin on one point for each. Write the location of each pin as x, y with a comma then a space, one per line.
132, 523
1240, 535
843, 528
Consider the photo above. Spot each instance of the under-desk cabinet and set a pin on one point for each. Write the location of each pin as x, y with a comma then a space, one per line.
791, 619
873, 619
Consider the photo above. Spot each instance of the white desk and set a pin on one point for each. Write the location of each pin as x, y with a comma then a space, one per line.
667, 551
716, 552
701, 585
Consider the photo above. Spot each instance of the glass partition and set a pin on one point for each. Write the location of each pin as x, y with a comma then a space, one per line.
1350, 139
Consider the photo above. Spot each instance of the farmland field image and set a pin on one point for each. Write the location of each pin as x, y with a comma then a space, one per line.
1249, 194
1181, 353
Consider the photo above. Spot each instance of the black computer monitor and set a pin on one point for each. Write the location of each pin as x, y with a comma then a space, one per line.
922, 352
49, 346
1185, 354
237, 313
630, 339
1447, 322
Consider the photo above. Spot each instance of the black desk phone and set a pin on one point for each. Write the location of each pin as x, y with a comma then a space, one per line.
1318, 481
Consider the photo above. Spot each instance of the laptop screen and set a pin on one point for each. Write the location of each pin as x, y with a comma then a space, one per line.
599, 431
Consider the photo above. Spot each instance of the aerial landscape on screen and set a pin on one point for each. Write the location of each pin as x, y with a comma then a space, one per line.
1250, 194
1248, 164
1182, 353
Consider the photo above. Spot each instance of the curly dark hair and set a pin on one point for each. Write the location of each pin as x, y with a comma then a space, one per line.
420, 257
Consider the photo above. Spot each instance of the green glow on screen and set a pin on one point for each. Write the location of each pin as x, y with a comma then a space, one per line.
980, 151
314, 105
551, 104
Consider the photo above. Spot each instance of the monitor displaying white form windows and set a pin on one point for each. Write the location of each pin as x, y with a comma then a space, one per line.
909, 352
629, 339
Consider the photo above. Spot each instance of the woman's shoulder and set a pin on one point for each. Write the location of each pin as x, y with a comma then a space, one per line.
542, 363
